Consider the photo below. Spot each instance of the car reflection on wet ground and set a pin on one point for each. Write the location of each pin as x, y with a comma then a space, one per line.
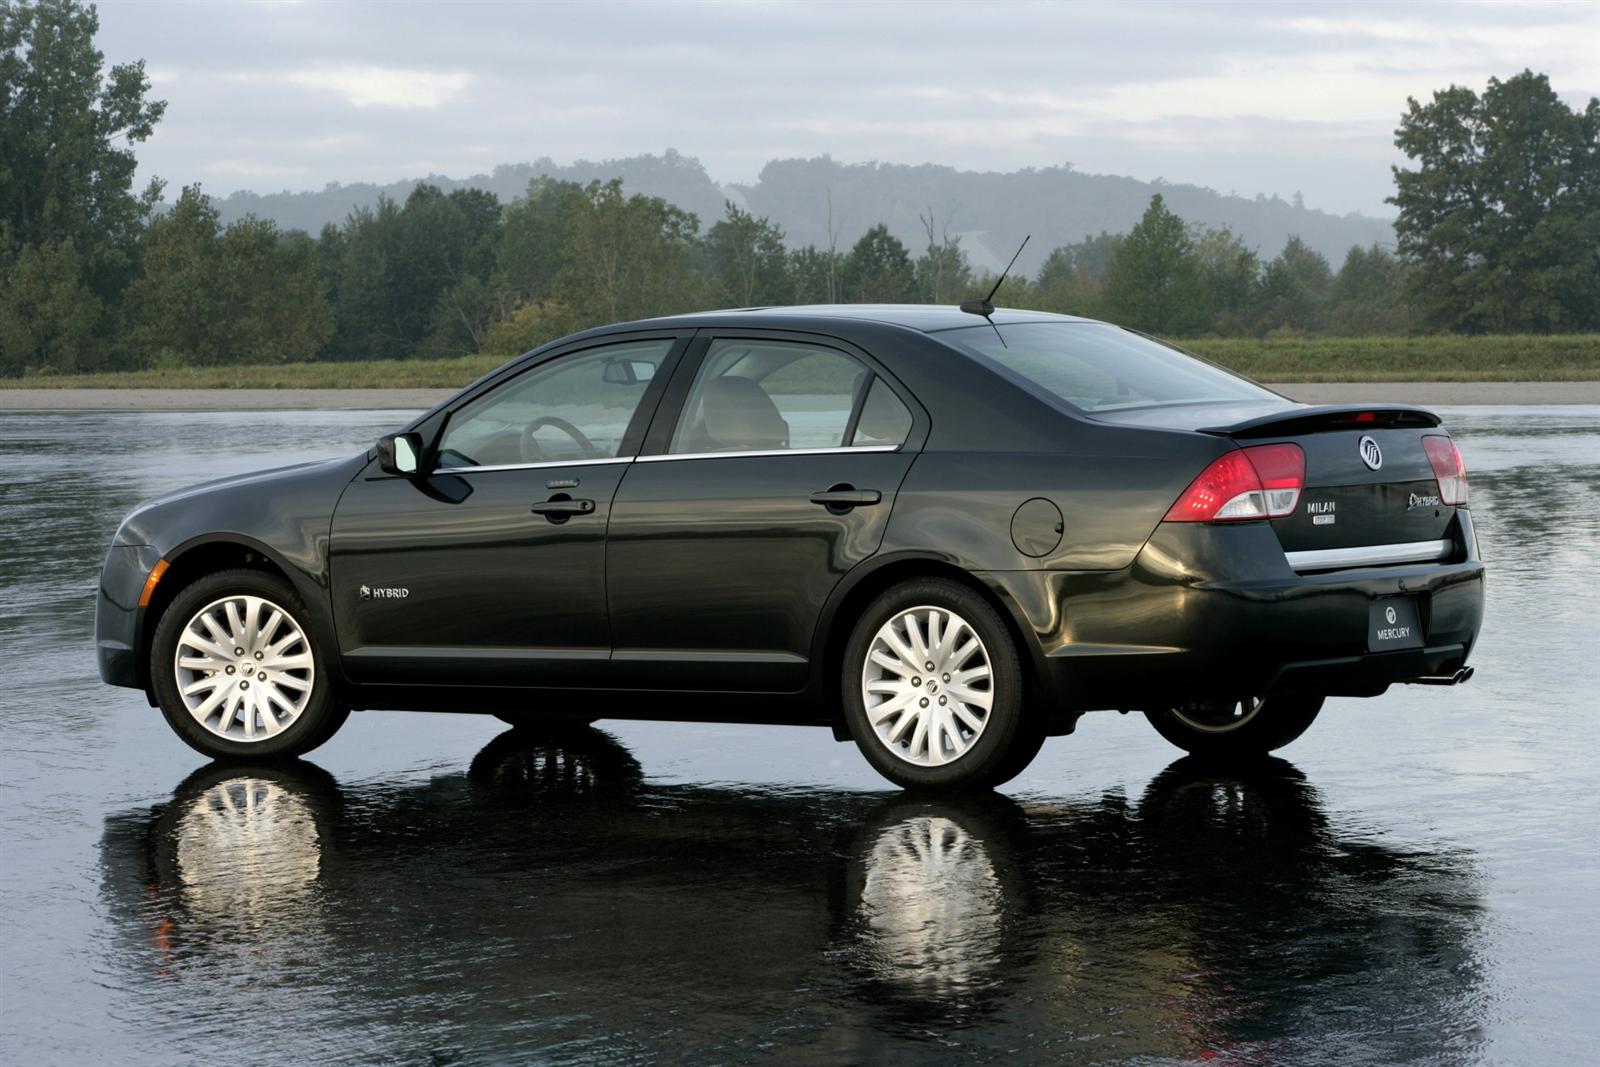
1414, 882
550, 895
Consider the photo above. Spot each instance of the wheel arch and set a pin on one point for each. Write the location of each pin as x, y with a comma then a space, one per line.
209, 554
871, 578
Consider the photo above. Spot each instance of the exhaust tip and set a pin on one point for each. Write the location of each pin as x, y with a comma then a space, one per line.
1462, 674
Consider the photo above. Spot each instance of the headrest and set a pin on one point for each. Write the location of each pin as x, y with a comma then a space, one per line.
739, 416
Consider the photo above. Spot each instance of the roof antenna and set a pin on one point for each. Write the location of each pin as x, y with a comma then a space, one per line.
984, 305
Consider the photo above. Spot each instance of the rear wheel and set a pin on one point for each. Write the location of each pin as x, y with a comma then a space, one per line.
1241, 729
236, 671
932, 689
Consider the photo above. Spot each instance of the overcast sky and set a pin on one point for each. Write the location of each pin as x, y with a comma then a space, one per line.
1247, 98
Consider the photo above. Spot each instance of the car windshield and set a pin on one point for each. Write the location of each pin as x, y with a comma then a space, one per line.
1093, 366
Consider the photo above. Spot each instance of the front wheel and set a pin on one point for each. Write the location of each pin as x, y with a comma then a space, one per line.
1240, 729
932, 689
237, 672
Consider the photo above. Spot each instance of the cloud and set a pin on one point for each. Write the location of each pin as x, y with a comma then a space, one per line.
392, 87
1246, 96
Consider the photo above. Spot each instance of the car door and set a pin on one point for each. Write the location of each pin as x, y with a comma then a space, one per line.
769, 474
490, 570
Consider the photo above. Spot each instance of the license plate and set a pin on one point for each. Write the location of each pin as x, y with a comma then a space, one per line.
1392, 624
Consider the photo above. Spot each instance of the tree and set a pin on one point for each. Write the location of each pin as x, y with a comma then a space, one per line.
1500, 219
878, 270
175, 296
61, 174
812, 275
246, 294
1368, 295
748, 262
1155, 283
1231, 274
942, 271
1092, 256
535, 233
269, 300
1295, 288
628, 257
49, 320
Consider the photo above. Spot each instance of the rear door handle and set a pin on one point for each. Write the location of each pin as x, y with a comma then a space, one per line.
846, 498
563, 507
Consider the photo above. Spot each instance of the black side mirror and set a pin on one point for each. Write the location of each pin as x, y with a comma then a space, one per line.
400, 453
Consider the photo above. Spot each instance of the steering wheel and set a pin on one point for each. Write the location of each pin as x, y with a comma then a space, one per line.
532, 453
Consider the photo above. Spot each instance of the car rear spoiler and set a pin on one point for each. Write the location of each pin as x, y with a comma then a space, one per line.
1324, 418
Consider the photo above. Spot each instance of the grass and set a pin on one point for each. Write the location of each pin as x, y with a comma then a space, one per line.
1518, 358
1447, 358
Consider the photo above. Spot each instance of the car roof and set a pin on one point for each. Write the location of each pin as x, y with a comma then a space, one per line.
927, 318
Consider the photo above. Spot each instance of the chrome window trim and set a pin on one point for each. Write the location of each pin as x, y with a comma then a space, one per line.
533, 466
1369, 555
663, 457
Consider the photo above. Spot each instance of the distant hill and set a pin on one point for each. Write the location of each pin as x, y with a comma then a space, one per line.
992, 211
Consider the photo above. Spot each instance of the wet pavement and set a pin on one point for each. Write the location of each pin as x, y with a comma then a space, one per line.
1418, 880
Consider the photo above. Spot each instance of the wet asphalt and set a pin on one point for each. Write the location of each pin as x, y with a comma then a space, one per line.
1417, 880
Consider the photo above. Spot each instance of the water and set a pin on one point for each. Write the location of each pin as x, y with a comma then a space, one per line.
1415, 882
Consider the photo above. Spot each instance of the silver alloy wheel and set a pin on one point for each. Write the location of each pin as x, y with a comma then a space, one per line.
927, 686
244, 668
1220, 717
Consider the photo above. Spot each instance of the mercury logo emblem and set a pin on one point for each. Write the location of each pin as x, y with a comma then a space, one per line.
1371, 454
1389, 616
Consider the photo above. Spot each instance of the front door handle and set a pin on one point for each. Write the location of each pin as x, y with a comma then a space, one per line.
562, 506
842, 498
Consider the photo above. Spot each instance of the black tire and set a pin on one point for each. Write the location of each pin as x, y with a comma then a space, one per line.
1277, 721
319, 717
1000, 749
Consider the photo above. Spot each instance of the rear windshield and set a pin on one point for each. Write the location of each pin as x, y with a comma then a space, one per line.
1096, 367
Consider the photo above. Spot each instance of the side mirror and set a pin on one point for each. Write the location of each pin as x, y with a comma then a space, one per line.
627, 371
400, 453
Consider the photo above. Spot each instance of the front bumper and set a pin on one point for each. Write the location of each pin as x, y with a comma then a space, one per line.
117, 615
1215, 613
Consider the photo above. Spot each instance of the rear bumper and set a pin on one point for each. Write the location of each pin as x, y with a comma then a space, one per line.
1215, 613
117, 614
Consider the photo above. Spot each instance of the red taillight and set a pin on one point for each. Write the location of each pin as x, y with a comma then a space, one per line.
1262, 482
1448, 467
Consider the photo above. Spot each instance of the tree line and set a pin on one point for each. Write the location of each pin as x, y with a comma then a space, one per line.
1498, 231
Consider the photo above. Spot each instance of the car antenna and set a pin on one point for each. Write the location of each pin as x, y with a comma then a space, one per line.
984, 305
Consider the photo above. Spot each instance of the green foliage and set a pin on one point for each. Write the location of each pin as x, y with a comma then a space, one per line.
49, 320
1501, 217
1368, 295
749, 265
244, 294
1231, 274
1155, 282
526, 328
943, 275
66, 179
878, 270
814, 276
1295, 288
628, 257
1499, 230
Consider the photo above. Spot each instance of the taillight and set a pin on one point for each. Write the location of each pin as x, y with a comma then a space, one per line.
1447, 467
1262, 482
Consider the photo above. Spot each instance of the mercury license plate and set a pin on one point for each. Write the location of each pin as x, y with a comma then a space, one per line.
1393, 624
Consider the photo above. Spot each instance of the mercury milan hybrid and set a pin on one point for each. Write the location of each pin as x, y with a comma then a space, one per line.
944, 536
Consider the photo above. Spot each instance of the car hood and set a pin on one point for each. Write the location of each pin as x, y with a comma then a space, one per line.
135, 529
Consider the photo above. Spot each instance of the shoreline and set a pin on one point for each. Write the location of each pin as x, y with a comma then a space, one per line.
1439, 394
